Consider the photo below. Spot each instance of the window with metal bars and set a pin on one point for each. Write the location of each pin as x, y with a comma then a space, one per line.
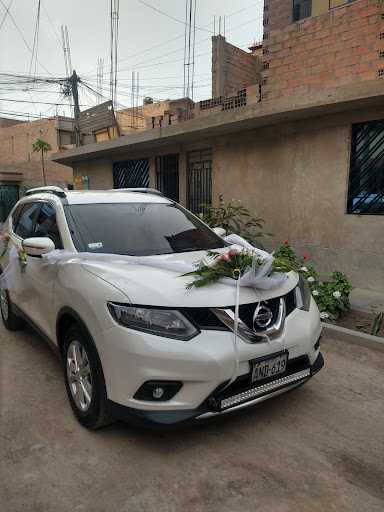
131, 173
167, 175
366, 177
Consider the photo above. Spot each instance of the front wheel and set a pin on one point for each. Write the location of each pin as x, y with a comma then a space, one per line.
84, 380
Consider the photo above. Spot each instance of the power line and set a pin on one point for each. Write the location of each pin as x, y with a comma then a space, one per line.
6, 12
169, 16
51, 24
179, 37
24, 38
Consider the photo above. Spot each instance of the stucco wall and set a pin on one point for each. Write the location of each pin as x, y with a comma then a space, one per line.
296, 178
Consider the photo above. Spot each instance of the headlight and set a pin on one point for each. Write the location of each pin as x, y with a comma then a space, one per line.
162, 322
303, 294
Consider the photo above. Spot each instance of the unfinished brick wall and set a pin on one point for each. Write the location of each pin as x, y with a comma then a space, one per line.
233, 69
134, 122
17, 156
341, 46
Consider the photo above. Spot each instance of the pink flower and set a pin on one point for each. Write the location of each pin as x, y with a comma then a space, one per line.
232, 252
286, 241
225, 256
5, 238
305, 256
20, 250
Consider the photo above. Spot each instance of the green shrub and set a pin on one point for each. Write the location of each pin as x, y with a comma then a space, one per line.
234, 217
332, 297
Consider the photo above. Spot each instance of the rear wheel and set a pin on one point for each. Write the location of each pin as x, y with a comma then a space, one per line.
84, 380
11, 321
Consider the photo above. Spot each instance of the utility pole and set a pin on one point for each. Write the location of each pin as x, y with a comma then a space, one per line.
74, 80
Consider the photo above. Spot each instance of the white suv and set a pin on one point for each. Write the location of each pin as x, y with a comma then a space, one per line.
134, 342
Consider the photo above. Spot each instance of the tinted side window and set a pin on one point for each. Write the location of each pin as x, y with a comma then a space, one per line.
16, 215
46, 225
25, 223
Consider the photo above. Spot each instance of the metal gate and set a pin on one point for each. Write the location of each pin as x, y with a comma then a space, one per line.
131, 174
167, 175
199, 179
9, 195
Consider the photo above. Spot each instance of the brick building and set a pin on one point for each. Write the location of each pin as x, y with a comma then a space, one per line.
307, 154
319, 44
21, 167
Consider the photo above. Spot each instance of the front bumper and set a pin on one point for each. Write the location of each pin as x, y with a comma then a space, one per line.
224, 399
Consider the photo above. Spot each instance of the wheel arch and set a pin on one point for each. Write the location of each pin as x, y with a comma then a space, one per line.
65, 319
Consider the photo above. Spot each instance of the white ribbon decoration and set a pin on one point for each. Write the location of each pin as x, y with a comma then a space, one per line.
254, 277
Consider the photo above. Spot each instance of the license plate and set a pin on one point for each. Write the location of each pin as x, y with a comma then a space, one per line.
268, 367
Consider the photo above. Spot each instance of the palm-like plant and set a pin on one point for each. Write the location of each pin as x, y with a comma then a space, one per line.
44, 147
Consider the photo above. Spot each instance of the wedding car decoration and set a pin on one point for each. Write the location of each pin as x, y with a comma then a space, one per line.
244, 266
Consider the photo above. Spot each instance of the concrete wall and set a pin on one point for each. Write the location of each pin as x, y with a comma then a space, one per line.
335, 48
295, 176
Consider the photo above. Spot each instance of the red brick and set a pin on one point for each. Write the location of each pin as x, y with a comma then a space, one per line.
378, 65
347, 35
326, 76
287, 91
340, 12
352, 61
370, 39
317, 69
312, 45
290, 60
355, 42
310, 79
348, 79
294, 83
340, 29
358, 24
358, 5
371, 29
368, 57
370, 10
320, 51
379, 45
275, 63
322, 34
317, 85
304, 56
342, 72
361, 50
327, 58
343, 54
331, 83
370, 75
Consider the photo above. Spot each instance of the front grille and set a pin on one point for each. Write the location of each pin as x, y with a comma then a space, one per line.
205, 319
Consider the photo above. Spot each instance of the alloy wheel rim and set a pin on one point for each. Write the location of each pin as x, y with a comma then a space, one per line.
4, 304
79, 375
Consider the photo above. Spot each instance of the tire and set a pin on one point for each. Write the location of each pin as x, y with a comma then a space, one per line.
11, 321
84, 380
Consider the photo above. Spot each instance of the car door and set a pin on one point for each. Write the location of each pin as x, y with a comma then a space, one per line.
35, 296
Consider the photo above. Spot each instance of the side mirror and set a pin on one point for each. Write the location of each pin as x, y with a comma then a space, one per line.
37, 246
220, 231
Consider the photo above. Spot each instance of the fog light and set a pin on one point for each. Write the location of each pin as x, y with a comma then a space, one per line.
159, 390
158, 393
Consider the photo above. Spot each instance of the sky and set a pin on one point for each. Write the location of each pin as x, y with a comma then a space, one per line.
150, 43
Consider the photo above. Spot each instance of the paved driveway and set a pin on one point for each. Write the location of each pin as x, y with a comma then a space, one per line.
319, 448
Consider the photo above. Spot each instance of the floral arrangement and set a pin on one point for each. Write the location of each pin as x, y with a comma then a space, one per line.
233, 264
22, 259
5, 242
332, 297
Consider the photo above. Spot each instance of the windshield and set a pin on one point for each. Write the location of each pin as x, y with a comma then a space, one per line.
139, 229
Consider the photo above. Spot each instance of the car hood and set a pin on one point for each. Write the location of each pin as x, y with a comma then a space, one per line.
153, 286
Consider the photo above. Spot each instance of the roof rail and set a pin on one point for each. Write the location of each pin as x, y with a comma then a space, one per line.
142, 190
53, 190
